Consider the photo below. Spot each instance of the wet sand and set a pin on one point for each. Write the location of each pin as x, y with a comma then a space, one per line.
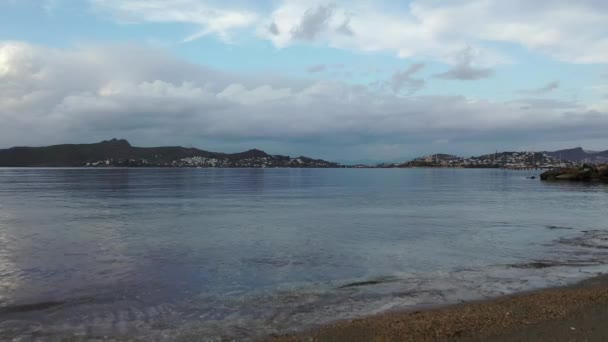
574, 313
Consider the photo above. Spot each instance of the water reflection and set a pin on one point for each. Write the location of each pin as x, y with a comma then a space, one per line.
168, 245
9, 272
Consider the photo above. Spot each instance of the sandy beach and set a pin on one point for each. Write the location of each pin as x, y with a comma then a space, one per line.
574, 313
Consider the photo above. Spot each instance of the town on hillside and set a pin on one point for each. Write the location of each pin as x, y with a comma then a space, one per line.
510, 160
275, 161
507, 160
120, 153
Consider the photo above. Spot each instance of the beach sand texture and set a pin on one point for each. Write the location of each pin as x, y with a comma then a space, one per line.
575, 313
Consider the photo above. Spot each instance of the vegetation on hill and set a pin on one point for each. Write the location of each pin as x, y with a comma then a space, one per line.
117, 152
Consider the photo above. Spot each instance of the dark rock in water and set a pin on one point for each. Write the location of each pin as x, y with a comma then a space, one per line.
376, 281
586, 173
29, 307
547, 264
559, 227
534, 265
596, 239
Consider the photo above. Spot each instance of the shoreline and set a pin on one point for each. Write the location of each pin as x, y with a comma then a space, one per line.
576, 312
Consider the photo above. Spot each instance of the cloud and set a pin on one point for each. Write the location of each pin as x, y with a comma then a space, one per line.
49, 6
91, 93
273, 29
345, 28
536, 103
564, 30
313, 23
548, 88
217, 20
317, 68
464, 69
404, 81
310, 21
335, 68
570, 31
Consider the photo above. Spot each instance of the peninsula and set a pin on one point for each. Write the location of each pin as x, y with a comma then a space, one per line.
120, 153
509, 160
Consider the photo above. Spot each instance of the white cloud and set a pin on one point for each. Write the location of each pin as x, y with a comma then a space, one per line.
313, 23
404, 80
354, 25
565, 30
210, 19
571, 31
97, 92
464, 70
238, 93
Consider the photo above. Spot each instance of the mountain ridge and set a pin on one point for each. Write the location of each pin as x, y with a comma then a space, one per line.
578, 154
119, 152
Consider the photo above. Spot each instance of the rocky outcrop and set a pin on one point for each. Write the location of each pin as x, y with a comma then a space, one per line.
585, 173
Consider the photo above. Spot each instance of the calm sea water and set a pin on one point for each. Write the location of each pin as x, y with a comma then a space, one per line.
176, 253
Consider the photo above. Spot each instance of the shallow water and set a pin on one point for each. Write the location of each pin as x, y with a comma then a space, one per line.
241, 253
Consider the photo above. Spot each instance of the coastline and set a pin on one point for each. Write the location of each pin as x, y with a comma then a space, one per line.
573, 313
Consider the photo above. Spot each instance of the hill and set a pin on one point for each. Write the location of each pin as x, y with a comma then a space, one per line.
580, 155
509, 159
119, 152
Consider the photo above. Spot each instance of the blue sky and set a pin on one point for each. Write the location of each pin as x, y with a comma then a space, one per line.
386, 79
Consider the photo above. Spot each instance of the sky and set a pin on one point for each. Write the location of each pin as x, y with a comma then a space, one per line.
349, 81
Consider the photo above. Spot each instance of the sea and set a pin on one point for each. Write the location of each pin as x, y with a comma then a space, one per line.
174, 254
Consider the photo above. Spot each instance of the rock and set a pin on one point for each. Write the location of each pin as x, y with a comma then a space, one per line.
586, 173
551, 174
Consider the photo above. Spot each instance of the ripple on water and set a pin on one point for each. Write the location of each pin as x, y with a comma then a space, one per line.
170, 254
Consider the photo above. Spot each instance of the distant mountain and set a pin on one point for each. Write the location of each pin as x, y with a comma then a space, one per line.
432, 160
509, 159
512, 159
579, 155
117, 152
